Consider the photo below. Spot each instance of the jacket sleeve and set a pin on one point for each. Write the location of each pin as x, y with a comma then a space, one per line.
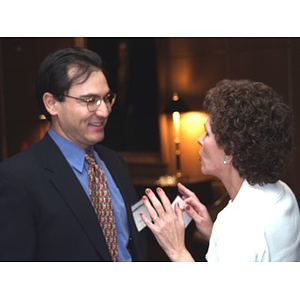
17, 225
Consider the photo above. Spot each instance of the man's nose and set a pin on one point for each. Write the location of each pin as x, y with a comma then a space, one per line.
103, 110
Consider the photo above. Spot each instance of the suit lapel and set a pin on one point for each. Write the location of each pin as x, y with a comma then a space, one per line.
66, 182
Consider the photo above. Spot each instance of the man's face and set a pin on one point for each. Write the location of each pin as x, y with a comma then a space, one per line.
74, 121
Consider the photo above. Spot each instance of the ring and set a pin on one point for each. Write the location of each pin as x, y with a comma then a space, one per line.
153, 219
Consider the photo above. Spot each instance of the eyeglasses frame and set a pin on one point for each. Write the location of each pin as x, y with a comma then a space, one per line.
99, 101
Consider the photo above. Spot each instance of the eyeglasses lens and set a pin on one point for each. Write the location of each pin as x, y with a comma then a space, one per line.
96, 102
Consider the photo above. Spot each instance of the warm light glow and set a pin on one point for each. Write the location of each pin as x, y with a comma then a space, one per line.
176, 123
192, 124
192, 127
189, 127
175, 97
43, 126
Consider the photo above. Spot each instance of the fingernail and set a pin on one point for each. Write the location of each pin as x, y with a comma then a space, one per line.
187, 207
147, 191
158, 189
144, 197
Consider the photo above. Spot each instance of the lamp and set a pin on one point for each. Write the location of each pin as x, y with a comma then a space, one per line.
43, 126
174, 107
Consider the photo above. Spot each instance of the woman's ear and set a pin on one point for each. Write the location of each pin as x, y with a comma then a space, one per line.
227, 159
50, 103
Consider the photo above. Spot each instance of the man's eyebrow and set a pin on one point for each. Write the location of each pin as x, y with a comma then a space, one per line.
91, 95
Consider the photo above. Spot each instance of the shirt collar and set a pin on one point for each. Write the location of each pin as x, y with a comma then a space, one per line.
73, 153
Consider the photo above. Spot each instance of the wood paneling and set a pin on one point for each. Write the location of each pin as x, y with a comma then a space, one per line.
21, 58
191, 66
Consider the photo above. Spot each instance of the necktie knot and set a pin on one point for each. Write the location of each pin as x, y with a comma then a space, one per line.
89, 157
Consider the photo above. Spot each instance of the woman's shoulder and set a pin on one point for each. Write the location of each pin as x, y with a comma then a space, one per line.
265, 200
270, 193
277, 201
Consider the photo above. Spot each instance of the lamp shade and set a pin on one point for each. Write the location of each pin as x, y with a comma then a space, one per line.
175, 104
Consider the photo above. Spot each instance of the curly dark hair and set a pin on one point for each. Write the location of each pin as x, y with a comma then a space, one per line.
253, 124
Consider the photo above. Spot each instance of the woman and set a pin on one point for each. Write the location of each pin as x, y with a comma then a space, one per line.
247, 144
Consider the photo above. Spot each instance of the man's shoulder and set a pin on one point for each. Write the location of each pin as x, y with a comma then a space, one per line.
27, 158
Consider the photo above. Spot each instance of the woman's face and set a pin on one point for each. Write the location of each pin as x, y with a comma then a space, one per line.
211, 155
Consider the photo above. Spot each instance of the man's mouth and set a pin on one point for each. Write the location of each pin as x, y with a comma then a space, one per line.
97, 124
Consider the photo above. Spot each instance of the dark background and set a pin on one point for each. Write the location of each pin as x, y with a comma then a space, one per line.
133, 124
189, 66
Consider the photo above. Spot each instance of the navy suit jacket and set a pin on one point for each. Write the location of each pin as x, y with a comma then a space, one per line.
45, 215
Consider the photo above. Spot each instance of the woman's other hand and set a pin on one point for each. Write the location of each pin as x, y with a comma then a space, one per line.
167, 225
195, 209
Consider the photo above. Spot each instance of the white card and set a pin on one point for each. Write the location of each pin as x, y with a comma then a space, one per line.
187, 219
136, 210
140, 207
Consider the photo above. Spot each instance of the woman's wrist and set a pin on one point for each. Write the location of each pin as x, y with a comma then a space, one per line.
183, 256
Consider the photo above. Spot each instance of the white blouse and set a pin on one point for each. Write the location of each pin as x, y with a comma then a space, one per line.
261, 224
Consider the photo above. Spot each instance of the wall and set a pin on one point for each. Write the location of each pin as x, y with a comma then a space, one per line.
191, 66
19, 61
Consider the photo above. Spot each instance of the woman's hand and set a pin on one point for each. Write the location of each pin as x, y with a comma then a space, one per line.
195, 209
167, 225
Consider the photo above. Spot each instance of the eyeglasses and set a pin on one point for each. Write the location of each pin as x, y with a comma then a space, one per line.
94, 102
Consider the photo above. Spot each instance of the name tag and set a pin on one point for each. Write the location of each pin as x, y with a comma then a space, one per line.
140, 207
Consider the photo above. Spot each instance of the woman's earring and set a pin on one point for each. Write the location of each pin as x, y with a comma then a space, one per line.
225, 162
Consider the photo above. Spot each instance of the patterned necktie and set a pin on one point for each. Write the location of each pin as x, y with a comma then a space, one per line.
101, 201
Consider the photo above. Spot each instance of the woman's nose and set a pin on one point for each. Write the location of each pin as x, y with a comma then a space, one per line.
201, 139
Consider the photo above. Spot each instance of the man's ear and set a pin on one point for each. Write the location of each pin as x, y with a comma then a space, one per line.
50, 103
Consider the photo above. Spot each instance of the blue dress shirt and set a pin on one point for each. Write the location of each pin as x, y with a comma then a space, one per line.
75, 156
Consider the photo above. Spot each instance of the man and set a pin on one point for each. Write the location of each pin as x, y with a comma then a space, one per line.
46, 199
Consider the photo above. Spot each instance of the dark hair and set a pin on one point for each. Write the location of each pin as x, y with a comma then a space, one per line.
251, 123
53, 76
